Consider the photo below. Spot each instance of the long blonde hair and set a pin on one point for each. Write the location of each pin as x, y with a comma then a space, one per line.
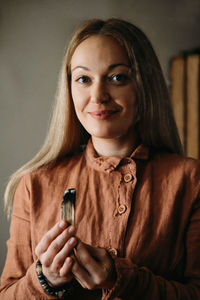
156, 125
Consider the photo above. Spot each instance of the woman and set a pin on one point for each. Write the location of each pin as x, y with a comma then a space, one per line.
137, 207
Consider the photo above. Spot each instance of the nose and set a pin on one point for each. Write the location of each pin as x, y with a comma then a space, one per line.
99, 92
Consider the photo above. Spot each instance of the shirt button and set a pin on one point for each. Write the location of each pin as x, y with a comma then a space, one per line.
113, 251
128, 177
121, 209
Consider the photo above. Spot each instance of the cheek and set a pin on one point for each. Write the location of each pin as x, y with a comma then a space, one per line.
78, 100
130, 109
128, 102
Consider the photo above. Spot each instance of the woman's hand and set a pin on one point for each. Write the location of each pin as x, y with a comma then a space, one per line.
54, 252
93, 267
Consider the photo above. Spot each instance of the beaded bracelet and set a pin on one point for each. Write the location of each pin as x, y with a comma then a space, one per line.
53, 291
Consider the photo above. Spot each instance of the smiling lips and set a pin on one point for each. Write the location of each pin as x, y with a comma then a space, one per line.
103, 114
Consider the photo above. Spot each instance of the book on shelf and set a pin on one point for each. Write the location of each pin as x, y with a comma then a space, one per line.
185, 100
177, 93
192, 105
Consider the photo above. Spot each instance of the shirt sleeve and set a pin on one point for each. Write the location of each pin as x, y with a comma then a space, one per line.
19, 279
134, 282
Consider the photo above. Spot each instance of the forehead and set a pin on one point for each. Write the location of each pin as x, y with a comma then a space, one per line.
99, 49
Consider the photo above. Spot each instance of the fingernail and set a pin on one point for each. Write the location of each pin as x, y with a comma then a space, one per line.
71, 229
72, 241
62, 224
68, 260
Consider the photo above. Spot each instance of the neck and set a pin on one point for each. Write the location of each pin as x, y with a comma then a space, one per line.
117, 147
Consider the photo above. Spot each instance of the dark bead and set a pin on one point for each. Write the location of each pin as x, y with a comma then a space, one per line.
52, 293
55, 292
42, 281
49, 290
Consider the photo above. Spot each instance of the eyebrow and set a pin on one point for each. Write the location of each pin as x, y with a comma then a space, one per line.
109, 68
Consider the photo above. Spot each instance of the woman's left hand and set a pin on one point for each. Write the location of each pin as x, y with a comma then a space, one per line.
93, 267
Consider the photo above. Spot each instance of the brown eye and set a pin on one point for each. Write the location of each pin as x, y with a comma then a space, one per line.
119, 78
83, 79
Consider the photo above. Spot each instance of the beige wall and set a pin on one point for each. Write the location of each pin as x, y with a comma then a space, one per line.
33, 34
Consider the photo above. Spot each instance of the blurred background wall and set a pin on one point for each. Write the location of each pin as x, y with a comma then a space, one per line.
33, 36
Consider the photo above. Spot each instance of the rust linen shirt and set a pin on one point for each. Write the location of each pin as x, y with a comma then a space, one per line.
144, 209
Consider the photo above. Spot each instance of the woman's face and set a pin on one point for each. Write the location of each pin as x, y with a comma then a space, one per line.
103, 89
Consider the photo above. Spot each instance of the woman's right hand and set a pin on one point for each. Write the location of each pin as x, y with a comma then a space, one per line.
54, 251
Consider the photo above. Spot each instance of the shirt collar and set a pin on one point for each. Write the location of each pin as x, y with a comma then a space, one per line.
109, 164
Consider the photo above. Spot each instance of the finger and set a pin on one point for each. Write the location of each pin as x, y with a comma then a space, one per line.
89, 272
56, 246
81, 274
49, 237
106, 275
60, 258
85, 258
97, 263
99, 254
67, 267
58, 243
